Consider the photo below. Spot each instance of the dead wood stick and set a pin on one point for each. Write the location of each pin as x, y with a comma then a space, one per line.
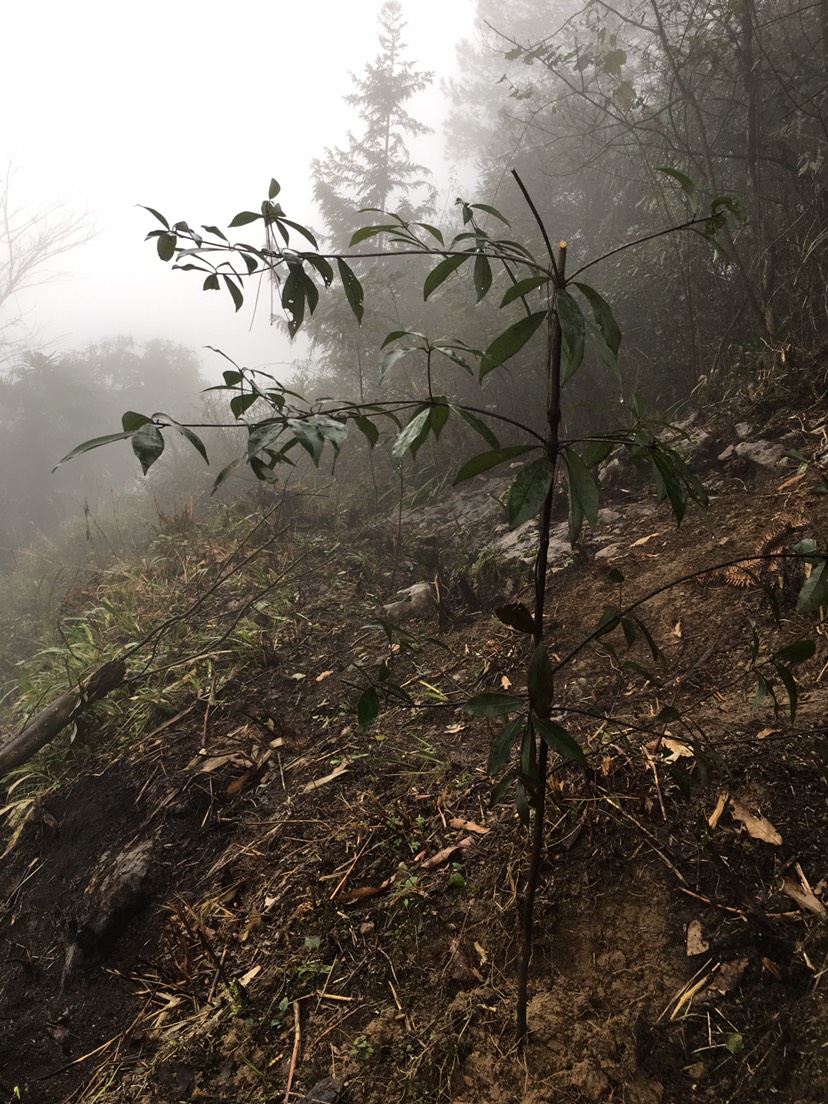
42, 728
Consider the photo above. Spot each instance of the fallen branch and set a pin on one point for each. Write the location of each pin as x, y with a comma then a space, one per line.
42, 728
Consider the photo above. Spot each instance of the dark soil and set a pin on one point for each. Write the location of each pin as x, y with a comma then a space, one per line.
292, 926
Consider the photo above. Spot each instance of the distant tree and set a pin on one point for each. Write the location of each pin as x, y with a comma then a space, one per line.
374, 170
28, 243
47, 401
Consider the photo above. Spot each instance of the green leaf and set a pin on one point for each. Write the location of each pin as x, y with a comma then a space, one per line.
502, 744
353, 289
308, 437
245, 217
193, 439
482, 275
516, 616
92, 443
615, 576
476, 425
651, 644
211, 283
274, 189
667, 715
789, 683
486, 460
559, 740
528, 492
764, 688
368, 708
582, 486
367, 428
523, 287
166, 246
235, 292
441, 272
814, 593
604, 318
239, 404
132, 421
440, 412
147, 444
390, 358
511, 341
597, 452
797, 652
610, 620
490, 211
155, 214
681, 178
366, 232
539, 681
493, 705
573, 327
410, 434
433, 230
614, 61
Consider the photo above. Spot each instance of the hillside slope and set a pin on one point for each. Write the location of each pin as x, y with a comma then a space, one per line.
251, 895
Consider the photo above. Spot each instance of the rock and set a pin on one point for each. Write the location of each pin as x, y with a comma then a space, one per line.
414, 603
117, 893
326, 1091
766, 454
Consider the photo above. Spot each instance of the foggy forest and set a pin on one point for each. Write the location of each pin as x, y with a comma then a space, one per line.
412, 576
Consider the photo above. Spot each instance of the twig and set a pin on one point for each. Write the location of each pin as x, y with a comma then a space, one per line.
297, 1042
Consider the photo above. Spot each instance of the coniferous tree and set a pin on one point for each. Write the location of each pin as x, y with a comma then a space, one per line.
374, 170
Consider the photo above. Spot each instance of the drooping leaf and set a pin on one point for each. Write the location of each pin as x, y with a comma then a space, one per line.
511, 341
390, 358
501, 746
789, 682
528, 492
516, 616
353, 289
582, 485
539, 681
367, 428
490, 211
368, 708
797, 652
410, 434
211, 283
493, 705
235, 292
814, 592
166, 246
681, 178
147, 444
157, 215
522, 288
597, 452
482, 275
573, 328
366, 232
441, 272
477, 425
604, 318
559, 740
486, 460
93, 443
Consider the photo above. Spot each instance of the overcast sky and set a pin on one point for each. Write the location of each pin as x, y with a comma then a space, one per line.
190, 107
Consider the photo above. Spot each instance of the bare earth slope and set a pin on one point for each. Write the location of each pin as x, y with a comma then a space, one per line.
258, 896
